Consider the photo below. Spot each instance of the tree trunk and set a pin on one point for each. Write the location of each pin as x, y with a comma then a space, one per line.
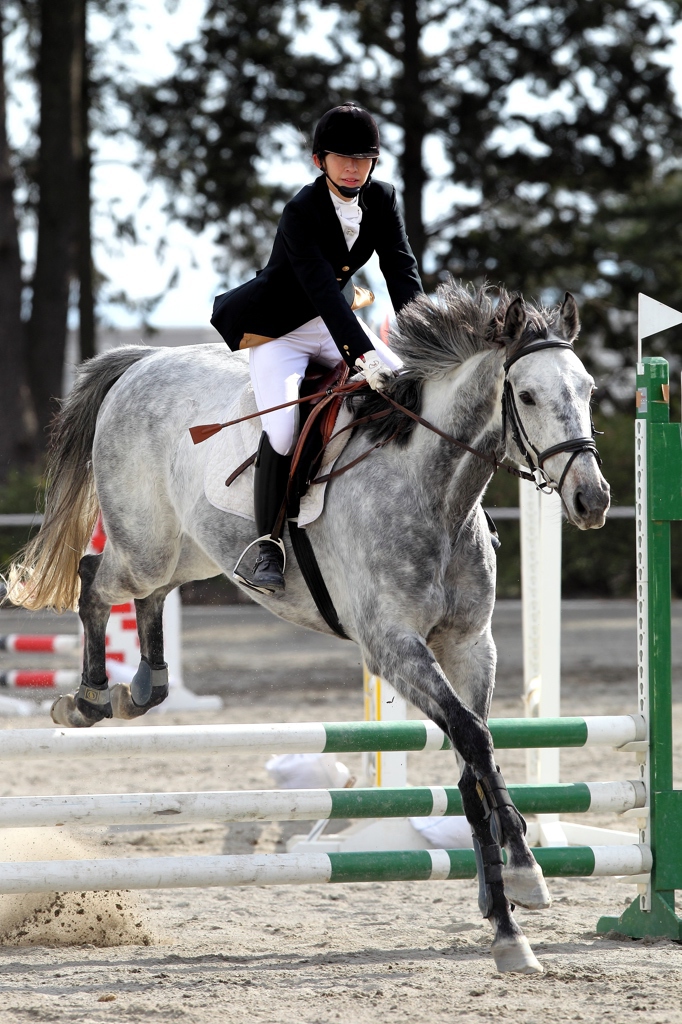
83, 208
14, 439
59, 79
410, 102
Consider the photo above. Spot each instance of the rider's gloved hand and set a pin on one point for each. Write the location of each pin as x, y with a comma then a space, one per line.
375, 371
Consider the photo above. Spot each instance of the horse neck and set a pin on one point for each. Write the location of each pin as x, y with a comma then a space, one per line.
467, 404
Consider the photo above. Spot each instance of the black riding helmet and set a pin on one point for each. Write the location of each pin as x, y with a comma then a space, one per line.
347, 130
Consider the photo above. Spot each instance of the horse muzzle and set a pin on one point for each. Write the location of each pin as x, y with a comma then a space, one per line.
587, 504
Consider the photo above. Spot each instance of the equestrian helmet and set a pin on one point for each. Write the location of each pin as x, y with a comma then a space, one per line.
347, 130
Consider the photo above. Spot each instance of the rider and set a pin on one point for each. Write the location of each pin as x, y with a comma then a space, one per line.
298, 308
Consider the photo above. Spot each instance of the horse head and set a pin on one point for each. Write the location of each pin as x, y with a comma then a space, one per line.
548, 421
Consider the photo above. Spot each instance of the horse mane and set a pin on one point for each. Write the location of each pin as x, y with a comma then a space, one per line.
434, 334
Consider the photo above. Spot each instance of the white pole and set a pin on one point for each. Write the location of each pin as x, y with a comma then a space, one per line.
541, 521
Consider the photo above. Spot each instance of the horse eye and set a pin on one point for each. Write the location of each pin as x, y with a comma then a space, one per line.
526, 398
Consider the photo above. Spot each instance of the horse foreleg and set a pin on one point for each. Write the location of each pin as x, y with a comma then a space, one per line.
92, 702
412, 668
149, 686
469, 664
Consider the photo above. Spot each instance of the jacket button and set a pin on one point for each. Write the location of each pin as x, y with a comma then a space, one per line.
344, 269
339, 279
345, 348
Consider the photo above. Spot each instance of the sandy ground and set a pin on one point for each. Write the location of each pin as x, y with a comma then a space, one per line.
356, 953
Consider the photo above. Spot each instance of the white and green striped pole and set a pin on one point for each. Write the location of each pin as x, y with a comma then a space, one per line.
303, 805
332, 737
301, 869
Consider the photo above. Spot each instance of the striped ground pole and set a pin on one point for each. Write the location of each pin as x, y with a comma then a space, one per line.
38, 679
55, 643
335, 737
301, 869
303, 805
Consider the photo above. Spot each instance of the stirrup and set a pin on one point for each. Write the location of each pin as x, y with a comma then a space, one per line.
266, 538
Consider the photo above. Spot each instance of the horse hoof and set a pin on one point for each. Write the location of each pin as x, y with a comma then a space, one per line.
514, 955
64, 711
122, 704
526, 887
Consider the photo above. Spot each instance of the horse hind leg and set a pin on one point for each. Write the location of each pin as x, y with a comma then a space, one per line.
91, 703
149, 686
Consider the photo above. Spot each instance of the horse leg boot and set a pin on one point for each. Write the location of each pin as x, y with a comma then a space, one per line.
91, 703
510, 948
524, 882
149, 686
261, 566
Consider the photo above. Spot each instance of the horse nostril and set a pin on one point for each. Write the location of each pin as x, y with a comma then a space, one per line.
579, 504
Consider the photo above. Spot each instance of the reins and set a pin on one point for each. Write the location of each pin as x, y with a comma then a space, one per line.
510, 414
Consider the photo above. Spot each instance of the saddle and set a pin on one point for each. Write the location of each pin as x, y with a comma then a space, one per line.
317, 420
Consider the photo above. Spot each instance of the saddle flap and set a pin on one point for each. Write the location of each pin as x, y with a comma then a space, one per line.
319, 420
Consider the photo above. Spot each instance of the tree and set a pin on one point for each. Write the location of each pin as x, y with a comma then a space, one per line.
15, 444
211, 129
59, 75
547, 117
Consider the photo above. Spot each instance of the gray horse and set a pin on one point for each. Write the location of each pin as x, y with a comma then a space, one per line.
403, 544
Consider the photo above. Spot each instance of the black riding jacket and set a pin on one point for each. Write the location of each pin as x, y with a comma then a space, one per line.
310, 265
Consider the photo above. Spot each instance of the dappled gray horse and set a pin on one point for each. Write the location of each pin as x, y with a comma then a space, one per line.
403, 543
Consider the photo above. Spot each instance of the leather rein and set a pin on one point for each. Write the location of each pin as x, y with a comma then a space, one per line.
510, 415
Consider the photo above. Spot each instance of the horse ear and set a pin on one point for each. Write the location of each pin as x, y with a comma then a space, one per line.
515, 320
569, 318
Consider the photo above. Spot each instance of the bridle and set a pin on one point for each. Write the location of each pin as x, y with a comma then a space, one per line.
510, 415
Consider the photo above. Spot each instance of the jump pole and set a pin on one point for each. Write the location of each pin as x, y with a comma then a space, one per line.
303, 804
299, 869
621, 732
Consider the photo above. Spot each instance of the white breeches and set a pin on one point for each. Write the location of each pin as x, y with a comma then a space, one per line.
278, 366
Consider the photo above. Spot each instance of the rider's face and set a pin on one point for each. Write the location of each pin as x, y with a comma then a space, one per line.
344, 170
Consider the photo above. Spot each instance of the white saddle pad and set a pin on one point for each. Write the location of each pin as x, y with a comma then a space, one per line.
233, 445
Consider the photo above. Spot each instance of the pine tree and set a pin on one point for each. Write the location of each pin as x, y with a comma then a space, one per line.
550, 119
15, 443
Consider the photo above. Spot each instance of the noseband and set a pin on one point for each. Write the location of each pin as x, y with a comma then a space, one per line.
510, 415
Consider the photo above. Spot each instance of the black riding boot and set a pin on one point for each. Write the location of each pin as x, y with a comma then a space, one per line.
261, 567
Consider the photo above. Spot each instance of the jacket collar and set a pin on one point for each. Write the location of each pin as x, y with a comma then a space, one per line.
325, 204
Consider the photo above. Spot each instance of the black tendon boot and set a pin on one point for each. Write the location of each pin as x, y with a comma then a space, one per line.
261, 567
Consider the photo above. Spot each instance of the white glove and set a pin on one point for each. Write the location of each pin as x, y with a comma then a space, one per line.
375, 371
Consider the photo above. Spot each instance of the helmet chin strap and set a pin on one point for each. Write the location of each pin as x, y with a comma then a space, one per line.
350, 193
347, 193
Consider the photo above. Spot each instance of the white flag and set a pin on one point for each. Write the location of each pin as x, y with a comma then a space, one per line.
654, 316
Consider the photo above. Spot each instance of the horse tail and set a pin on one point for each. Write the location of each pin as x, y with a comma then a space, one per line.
44, 573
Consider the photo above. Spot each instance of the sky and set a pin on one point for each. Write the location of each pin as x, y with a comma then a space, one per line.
135, 269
